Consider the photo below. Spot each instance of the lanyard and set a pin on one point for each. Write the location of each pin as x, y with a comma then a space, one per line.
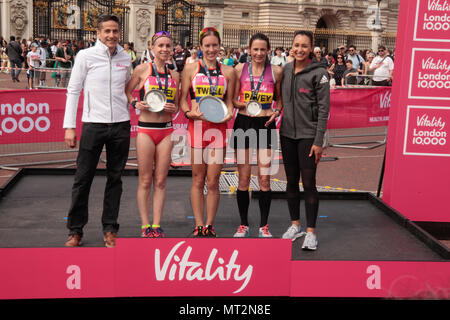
213, 89
166, 76
261, 79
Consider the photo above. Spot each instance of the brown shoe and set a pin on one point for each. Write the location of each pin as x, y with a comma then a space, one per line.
110, 239
74, 241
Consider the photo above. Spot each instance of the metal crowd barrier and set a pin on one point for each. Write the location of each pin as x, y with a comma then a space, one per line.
180, 148
356, 144
41, 79
364, 80
59, 77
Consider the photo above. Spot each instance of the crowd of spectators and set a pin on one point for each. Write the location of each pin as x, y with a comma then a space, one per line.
42, 59
346, 65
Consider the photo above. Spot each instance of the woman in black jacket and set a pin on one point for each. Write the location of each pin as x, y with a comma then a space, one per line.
305, 92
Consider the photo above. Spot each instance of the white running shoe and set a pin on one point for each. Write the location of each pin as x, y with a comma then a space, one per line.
264, 232
242, 232
310, 242
293, 232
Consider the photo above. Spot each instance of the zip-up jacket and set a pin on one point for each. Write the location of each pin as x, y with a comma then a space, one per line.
306, 101
103, 78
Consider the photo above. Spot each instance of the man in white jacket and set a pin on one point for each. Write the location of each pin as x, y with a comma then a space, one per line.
102, 72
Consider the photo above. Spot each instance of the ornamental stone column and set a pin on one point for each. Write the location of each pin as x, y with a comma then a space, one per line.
376, 29
214, 14
4, 19
17, 18
141, 23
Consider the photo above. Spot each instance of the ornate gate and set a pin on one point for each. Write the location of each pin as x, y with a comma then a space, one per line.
182, 19
75, 19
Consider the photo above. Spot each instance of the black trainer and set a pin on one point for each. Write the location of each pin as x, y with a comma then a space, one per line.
209, 232
198, 232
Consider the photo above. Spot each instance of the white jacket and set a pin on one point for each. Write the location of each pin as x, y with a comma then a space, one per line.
103, 79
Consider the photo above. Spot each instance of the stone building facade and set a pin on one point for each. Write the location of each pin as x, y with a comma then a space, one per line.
334, 22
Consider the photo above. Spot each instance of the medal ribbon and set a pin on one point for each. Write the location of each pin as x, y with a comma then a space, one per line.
158, 78
261, 79
213, 89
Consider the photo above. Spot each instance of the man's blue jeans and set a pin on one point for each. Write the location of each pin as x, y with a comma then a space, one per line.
15, 64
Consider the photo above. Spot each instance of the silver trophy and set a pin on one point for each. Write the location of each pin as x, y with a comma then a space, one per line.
156, 100
213, 109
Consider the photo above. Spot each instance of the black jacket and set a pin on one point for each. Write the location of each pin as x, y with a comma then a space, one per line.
306, 102
13, 51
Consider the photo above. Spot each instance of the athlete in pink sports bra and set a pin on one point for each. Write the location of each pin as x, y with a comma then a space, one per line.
157, 131
207, 157
153, 143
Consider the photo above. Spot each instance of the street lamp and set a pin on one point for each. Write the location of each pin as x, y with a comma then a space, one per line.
376, 28
377, 22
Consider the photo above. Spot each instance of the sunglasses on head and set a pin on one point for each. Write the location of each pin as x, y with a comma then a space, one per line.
160, 34
206, 30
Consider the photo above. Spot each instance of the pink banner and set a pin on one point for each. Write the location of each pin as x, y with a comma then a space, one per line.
192, 267
186, 267
149, 267
430, 74
427, 131
431, 20
35, 273
418, 144
370, 279
359, 107
32, 116
35, 116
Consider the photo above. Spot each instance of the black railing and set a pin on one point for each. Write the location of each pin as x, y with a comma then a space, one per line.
74, 19
182, 19
238, 36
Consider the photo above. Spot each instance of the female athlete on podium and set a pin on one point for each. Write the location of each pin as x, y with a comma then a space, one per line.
254, 128
210, 80
153, 143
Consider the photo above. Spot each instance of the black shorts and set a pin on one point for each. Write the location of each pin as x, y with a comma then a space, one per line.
296, 152
250, 132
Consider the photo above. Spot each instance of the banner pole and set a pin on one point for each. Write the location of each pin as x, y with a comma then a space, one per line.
380, 183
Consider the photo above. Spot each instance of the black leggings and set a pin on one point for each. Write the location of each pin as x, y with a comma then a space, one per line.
297, 163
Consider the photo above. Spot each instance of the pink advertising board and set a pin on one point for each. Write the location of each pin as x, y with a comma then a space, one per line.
35, 116
370, 279
41, 273
186, 267
431, 20
416, 181
359, 107
149, 267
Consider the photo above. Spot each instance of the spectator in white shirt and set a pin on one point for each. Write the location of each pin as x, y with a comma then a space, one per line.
147, 55
34, 62
382, 67
278, 59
